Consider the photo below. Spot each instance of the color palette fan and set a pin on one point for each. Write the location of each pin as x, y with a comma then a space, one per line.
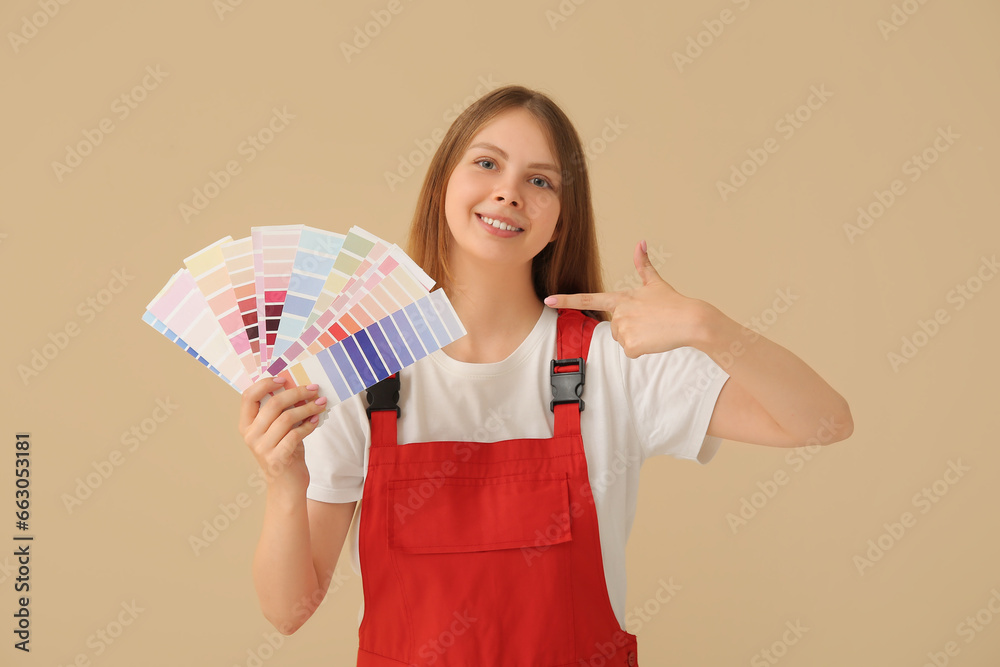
339, 310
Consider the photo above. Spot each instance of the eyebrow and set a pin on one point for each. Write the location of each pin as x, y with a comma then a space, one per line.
503, 154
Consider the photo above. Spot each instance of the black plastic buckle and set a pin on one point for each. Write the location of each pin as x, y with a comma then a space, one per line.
384, 395
567, 387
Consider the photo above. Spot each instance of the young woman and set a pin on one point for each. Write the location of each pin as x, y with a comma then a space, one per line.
497, 500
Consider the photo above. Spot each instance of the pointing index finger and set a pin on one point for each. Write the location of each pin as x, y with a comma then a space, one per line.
592, 301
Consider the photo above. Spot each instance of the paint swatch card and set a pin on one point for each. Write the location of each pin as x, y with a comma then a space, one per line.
317, 307
182, 307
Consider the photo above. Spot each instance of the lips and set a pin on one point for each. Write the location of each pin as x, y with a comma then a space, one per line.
499, 222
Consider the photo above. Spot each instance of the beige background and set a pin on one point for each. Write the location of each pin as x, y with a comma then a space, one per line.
681, 131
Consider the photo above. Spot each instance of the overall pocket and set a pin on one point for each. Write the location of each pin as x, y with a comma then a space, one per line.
485, 567
472, 514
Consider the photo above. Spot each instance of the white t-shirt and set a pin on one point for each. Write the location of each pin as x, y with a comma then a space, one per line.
634, 409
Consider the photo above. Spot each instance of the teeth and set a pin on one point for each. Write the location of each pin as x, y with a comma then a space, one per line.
498, 224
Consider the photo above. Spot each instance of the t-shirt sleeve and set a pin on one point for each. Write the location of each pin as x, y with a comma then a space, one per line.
671, 396
336, 453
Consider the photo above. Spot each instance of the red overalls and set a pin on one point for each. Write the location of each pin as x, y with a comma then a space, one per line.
487, 554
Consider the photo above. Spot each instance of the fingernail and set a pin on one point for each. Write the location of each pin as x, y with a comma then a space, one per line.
550, 301
279, 380
312, 387
643, 244
314, 419
321, 401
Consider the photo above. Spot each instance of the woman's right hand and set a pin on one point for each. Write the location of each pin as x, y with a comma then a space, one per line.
275, 431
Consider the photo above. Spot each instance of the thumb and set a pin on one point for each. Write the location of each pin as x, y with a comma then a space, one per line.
643, 265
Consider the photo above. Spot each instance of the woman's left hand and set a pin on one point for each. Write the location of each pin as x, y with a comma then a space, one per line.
653, 317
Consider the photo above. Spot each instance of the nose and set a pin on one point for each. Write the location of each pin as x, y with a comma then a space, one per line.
507, 192
501, 199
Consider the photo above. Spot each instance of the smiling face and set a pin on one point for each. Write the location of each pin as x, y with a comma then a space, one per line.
502, 199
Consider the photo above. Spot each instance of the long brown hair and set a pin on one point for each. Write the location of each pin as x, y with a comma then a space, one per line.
568, 265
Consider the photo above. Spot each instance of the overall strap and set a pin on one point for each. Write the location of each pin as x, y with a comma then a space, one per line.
568, 370
383, 401
567, 373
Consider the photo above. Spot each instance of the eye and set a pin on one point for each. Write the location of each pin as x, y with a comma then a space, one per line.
487, 160
546, 184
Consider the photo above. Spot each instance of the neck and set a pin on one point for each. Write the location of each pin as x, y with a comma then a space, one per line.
498, 307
